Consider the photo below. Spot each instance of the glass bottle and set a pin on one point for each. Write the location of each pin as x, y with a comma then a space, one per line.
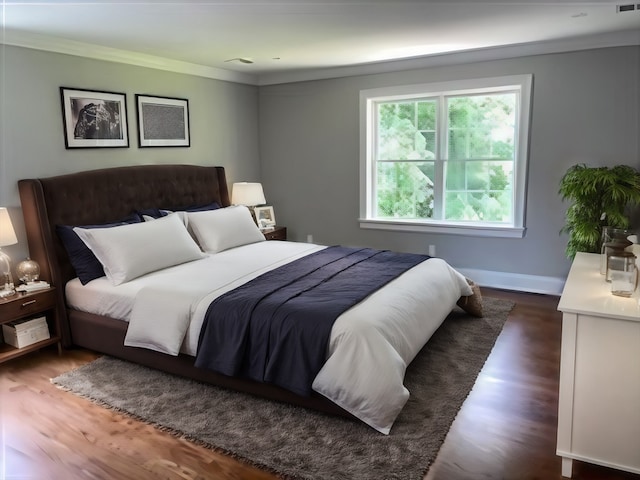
612, 241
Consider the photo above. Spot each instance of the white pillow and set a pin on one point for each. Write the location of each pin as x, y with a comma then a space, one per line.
224, 228
130, 251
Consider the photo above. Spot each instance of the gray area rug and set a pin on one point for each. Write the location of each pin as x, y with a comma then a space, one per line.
297, 443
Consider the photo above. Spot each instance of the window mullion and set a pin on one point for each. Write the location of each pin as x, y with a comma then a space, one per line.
372, 164
441, 155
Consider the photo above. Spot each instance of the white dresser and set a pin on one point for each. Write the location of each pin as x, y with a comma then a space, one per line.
599, 402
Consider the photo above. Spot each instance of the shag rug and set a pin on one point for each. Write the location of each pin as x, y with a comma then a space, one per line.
298, 443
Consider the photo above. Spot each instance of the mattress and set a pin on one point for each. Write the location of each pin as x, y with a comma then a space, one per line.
207, 278
370, 346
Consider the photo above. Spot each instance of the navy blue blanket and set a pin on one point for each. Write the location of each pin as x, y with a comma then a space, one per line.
276, 328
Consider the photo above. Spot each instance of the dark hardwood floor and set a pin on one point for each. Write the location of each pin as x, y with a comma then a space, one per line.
505, 430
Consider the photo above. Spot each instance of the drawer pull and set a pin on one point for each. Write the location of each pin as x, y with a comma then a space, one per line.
31, 302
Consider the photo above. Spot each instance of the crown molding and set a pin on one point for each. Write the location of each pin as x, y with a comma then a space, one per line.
614, 39
97, 52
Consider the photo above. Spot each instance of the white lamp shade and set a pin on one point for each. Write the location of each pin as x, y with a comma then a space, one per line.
247, 193
7, 234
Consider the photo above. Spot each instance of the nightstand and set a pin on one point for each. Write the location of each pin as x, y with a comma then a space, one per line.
24, 305
275, 233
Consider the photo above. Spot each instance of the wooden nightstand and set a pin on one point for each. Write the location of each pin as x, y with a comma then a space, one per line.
42, 302
275, 233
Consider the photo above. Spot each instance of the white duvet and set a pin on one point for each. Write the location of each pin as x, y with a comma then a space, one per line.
371, 344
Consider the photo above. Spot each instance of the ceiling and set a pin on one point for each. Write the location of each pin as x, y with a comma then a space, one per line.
305, 39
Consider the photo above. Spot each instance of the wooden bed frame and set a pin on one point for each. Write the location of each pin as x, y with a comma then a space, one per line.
108, 195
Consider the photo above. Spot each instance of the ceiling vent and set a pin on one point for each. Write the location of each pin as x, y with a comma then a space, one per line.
240, 60
629, 7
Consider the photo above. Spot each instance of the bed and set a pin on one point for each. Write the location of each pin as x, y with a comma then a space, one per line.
120, 318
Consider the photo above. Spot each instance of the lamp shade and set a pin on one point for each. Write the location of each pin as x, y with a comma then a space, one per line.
7, 234
247, 193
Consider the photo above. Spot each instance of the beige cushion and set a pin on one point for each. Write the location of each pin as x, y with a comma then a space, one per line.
473, 303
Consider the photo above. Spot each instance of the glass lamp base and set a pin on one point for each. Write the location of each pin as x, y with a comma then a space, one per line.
6, 292
6, 279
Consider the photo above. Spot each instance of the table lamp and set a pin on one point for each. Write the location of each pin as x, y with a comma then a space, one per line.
249, 194
7, 237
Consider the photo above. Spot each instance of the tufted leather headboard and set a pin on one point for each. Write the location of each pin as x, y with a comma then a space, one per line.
107, 195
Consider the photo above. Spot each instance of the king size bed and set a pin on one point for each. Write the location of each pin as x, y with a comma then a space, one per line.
172, 258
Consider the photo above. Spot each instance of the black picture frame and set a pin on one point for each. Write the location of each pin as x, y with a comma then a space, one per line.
162, 121
94, 118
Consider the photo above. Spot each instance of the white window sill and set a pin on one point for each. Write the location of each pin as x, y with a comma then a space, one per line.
445, 228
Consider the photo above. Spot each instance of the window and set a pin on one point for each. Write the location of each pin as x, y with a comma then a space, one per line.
448, 157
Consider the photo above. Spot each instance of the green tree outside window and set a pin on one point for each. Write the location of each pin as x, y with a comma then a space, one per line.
478, 162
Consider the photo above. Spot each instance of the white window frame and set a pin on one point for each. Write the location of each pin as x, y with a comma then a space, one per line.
368, 100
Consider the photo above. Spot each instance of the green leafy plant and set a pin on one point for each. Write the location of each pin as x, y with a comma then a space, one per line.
600, 196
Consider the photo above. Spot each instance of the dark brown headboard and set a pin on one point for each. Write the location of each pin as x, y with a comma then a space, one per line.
107, 195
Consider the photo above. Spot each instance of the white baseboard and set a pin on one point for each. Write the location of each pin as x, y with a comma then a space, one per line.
515, 281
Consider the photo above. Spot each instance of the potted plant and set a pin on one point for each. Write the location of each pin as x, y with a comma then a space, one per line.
600, 197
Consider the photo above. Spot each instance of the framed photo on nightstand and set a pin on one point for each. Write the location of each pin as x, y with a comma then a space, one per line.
265, 217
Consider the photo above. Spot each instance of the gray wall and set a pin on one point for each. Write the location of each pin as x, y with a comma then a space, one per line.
223, 115
302, 141
585, 109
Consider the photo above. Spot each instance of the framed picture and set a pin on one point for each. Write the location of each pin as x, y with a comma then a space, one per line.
94, 119
162, 121
265, 217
